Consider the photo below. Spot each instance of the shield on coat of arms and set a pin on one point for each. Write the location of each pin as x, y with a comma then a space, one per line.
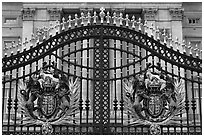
154, 105
48, 104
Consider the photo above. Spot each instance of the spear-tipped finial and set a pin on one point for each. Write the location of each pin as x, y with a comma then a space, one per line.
176, 44
164, 35
57, 26
183, 46
94, 17
76, 20
196, 50
121, 19
114, 18
82, 18
108, 17
157, 33
127, 20
133, 22
50, 29
102, 14
88, 18
190, 48
170, 41
63, 22
151, 28
145, 27
69, 22
140, 24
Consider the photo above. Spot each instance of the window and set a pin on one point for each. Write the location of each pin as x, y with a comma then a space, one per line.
193, 21
10, 20
8, 44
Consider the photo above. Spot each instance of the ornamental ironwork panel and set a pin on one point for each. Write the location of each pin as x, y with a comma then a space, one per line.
101, 112
102, 74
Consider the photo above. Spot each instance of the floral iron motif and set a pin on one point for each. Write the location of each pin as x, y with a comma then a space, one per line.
153, 99
48, 98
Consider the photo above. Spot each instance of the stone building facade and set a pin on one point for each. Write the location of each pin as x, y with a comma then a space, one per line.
21, 20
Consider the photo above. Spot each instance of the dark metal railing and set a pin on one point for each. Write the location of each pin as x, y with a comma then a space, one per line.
102, 56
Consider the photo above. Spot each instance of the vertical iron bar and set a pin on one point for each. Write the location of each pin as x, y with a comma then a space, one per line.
87, 89
193, 101
3, 99
186, 101
81, 99
9, 101
16, 101
121, 74
75, 62
62, 69
200, 100
128, 73
179, 77
115, 92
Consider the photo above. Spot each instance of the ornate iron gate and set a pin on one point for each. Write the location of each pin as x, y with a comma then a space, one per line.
101, 53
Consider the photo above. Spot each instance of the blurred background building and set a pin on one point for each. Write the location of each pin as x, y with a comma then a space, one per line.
20, 20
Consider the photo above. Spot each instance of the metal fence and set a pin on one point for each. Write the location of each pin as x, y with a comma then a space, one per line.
102, 53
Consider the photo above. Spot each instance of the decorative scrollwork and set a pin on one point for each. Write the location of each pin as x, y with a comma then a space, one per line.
57, 99
154, 99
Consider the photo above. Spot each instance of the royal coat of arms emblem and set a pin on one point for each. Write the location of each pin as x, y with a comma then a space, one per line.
48, 98
154, 99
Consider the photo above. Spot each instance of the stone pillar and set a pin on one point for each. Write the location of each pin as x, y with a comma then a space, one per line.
28, 15
54, 15
176, 24
150, 15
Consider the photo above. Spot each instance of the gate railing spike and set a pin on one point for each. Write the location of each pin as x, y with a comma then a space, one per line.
69, 22
94, 17
127, 20
196, 50
170, 41
133, 22
82, 18
140, 24
108, 18
121, 19
190, 48
157, 33
151, 29
50, 30
102, 14
76, 20
164, 35
88, 18
145, 27
114, 18
176, 44
63, 24
57, 27
183, 46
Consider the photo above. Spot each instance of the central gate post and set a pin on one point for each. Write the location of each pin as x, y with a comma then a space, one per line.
101, 103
